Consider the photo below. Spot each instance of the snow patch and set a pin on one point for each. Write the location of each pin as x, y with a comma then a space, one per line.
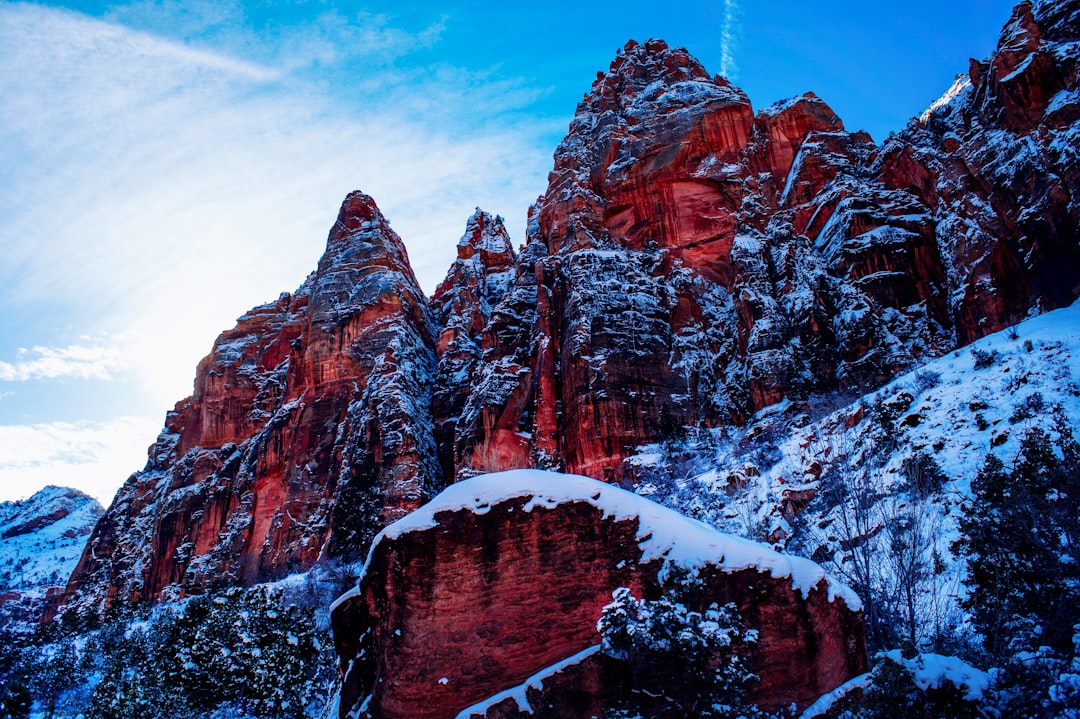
930, 671
960, 85
520, 693
827, 701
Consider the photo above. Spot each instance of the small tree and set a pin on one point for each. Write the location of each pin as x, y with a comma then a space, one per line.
922, 474
908, 538
1019, 538
662, 638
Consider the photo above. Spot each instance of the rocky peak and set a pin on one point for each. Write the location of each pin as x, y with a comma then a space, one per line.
781, 128
310, 427
479, 277
640, 73
1019, 38
364, 257
656, 113
994, 158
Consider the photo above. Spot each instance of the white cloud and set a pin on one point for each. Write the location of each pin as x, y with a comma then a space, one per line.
76, 361
322, 40
157, 191
729, 38
95, 457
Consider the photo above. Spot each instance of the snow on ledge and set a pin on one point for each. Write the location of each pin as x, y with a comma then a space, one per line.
930, 671
662, 533
826, 701
520, 693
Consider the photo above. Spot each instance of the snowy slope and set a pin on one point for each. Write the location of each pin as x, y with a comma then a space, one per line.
960, 409
41, 538
776, 479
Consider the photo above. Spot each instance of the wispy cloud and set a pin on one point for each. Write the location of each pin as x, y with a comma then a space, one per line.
159, 190
75, 361
324, 39
729, 39
95, 457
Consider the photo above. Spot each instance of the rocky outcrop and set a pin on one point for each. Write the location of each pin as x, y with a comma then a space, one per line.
478, 281
996, 161
310, 425
41, 538
691, 263
501, 579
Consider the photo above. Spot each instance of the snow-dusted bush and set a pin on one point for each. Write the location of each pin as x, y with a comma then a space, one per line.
984, 358
663, 638
927, 686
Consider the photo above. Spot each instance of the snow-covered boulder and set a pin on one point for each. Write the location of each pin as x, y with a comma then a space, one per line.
503, 576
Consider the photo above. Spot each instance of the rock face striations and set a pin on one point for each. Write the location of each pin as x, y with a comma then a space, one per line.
503, 577
310, 421
691, 262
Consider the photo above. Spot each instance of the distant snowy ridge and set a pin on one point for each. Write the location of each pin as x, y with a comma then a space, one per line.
42, 537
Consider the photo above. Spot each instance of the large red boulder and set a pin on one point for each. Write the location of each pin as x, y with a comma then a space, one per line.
500, 580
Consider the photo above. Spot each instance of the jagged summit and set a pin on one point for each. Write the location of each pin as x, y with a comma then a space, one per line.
647, 70
484, 233
364, 258
310, 420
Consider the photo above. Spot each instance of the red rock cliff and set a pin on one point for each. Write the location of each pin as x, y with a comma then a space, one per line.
310, 418
695, 261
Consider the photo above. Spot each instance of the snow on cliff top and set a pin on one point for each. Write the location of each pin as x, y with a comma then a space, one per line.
662, 533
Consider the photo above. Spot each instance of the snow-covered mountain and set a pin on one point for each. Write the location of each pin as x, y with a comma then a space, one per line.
762, 319
41, 540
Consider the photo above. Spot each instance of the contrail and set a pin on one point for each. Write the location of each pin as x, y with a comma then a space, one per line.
729, 36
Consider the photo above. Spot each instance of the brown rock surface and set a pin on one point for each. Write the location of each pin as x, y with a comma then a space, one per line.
504, 575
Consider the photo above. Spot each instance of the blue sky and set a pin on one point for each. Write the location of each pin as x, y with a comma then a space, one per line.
170, 164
